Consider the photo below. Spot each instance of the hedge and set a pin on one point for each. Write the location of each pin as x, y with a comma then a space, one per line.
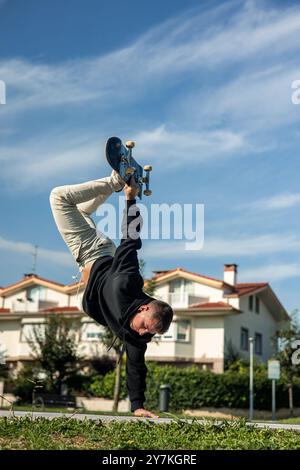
193, 388
190, 387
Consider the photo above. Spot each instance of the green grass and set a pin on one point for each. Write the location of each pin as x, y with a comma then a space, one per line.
71, 411
290, 421
64, 433
64, 410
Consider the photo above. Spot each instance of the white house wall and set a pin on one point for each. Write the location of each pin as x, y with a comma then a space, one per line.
75, 300
15, 347
262, 323
233, 301
200, 290
205, 345
10, 337
52, 296
160, 349
55, 296
214, 295
209, 337
162, 292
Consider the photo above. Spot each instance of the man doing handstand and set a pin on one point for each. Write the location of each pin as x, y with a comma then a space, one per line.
113, 295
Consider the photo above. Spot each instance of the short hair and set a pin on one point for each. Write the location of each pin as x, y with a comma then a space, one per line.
163, 314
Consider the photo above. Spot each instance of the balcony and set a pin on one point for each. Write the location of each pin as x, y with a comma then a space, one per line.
184, 299
29, 305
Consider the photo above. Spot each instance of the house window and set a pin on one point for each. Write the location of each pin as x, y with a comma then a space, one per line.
91, 332
251, 302
167, 336
256, 304
244, 339
258, 344
175, 286
183, 330
28, 332
189, 287
206, 366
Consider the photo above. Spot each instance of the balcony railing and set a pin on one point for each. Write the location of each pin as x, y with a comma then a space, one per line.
184, 300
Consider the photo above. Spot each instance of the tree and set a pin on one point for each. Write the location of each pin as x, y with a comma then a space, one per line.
150, 284
54, 347
284, 343
232, 354
4, 369
108, 339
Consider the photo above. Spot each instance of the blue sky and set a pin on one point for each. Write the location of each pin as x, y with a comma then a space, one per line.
205, 90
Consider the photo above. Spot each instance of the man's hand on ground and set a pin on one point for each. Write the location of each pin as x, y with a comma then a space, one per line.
145, 413
132, 189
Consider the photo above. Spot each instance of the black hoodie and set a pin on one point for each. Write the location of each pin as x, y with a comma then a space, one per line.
114, 293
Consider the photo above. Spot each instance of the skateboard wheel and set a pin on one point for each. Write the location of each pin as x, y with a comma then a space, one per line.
148, 168
147, 192
130, 170
130, 144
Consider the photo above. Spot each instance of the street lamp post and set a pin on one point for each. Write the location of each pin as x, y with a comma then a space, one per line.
251, 381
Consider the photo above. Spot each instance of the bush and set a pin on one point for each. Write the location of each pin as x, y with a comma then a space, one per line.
103, 386
78, 383
27, 379
190, 387
194, 388
25, 382
102, 365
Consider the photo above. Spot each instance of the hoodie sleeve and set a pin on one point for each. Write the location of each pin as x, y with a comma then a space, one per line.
125, 258
136, 372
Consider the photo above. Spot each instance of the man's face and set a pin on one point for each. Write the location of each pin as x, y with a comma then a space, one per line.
142, 322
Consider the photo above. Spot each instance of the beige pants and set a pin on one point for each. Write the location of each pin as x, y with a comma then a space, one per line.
72, 207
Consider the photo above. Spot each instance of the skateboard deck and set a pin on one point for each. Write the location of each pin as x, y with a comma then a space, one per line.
120, 158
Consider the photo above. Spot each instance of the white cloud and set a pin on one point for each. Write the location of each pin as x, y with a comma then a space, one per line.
53, 156
244, 246
271, 272
50, 158
279, 201
180, 147
256, 101
51, 256
197, 40
251, 246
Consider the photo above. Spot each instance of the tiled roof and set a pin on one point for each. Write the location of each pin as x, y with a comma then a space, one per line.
60, 309
163, 273
212, 305
247, 288
29, 278
33, 276
237, 290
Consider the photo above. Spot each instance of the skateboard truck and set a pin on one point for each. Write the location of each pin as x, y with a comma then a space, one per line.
120, 158
130, 144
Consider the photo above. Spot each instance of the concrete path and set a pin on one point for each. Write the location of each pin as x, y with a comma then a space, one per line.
106, 418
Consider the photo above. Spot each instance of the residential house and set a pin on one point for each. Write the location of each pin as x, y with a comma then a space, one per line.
212, 318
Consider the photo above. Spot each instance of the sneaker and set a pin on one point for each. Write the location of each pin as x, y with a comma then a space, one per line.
117, 181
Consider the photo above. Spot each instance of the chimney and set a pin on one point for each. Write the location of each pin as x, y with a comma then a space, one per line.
230, 274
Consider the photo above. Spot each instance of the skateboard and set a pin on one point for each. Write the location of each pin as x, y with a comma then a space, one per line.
120, 158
